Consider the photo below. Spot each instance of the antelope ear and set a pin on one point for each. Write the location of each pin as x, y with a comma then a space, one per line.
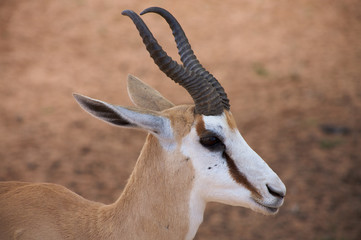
144, 96
133, 117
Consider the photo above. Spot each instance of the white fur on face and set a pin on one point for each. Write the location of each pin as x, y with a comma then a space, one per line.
213, 181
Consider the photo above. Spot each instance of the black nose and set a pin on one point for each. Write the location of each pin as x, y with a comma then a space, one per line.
275, 192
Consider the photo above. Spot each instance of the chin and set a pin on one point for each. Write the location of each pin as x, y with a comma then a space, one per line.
265, 210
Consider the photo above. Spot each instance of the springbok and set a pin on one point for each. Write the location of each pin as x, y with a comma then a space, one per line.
193, 154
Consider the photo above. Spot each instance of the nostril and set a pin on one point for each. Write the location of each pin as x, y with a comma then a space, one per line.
275, 192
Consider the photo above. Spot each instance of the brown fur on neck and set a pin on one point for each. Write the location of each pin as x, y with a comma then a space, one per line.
160, 209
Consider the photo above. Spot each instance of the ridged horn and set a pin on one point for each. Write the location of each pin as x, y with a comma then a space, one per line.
186, 53
205, 97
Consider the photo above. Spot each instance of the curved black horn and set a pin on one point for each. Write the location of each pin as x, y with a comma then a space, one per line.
206, 99
186, 53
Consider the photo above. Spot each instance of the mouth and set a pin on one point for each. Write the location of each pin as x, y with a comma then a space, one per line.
266, 209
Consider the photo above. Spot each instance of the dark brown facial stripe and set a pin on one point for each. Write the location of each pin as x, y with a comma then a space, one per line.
239, 177
200, 127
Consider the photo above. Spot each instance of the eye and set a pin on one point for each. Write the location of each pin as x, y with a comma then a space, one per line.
212, 143
209, 141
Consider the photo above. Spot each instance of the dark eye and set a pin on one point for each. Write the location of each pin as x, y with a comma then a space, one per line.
209, 141
212, 143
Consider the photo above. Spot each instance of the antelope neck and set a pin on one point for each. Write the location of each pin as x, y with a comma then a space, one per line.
157, 195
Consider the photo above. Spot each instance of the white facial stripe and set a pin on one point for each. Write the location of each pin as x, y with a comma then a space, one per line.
237, 179
216, 124
232, 137
247, 161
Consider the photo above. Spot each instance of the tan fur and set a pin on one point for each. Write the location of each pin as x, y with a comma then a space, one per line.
154, 204
145, 96
230, 120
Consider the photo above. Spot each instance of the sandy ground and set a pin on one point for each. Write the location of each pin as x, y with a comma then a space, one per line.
291, 69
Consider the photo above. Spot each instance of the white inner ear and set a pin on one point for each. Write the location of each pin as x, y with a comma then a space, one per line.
153, 122
156, 124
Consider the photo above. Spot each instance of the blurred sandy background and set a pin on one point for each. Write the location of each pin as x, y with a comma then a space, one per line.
292, 70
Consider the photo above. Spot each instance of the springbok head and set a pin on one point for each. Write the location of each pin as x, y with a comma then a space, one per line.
225, 168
